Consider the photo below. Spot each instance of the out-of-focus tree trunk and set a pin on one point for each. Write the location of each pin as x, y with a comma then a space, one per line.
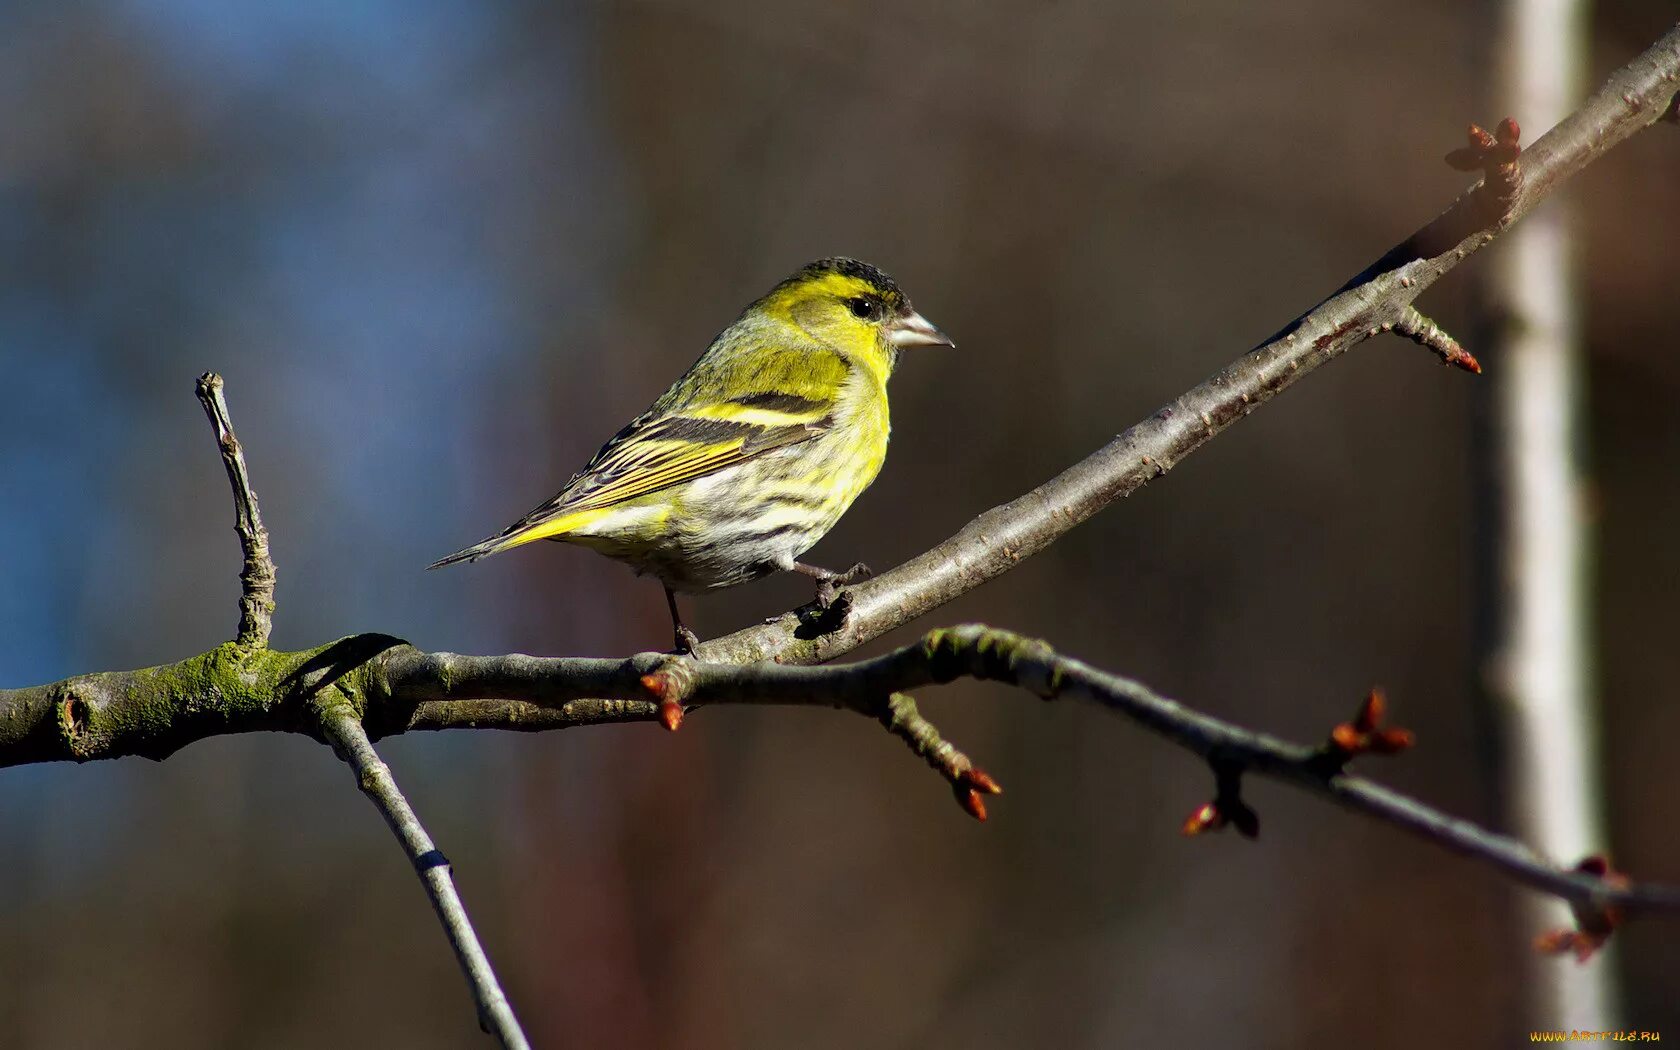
1540, 663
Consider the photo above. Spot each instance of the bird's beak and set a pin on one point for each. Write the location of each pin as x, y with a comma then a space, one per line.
914, 330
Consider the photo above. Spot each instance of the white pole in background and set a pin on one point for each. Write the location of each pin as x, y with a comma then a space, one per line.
1542, 664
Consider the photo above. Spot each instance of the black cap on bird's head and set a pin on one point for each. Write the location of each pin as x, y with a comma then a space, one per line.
856, 269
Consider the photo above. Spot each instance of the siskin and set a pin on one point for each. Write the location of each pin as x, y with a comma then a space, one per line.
752, 456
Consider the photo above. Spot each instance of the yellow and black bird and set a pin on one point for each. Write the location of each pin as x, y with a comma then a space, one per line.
755, 452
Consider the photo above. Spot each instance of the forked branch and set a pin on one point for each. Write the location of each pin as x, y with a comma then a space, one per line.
336, 720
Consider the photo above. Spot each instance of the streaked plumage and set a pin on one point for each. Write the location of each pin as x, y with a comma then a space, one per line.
756, 451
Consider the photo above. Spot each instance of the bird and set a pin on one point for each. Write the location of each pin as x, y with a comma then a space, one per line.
754, 453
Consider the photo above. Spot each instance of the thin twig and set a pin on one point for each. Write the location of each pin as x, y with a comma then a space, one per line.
1426, 333
256, 579
900, 717
435, 683
373, 776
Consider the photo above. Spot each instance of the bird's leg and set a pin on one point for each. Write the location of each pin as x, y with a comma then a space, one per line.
687, 640
829, 582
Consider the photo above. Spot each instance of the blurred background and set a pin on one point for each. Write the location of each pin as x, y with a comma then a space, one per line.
442, 251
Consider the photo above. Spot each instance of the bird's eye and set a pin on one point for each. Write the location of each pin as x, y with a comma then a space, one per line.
864, 306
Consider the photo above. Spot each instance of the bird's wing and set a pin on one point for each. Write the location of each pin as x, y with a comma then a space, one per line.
659, 452
775, 401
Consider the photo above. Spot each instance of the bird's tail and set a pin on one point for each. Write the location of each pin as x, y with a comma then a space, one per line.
475, 552
541, 524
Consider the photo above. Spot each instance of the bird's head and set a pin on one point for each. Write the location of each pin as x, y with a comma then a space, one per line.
855, 308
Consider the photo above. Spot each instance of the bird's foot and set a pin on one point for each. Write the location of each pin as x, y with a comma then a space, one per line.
688, 643
830, 585
834, 604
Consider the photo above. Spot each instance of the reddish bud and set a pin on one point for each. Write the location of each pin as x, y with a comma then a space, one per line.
1390, 741
1569, 942
668, 691
1215, 815
968, 785
1594, 923
1346, 738
1371, 711
1495, 154
670, 714
982, 780
1459, 357
1365, 735
1206, 817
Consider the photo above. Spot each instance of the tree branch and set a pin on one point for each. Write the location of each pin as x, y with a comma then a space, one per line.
402, 689
373, 776
428, 687
256, 578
